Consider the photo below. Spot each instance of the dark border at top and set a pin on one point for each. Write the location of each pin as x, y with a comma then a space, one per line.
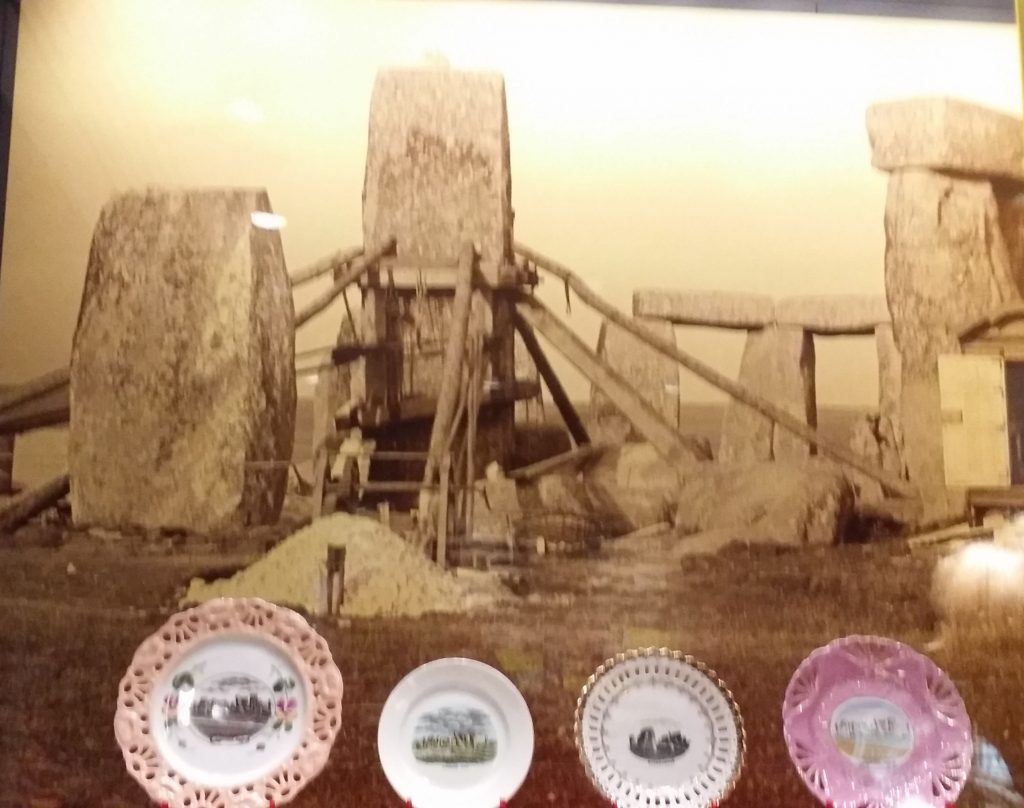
996, 11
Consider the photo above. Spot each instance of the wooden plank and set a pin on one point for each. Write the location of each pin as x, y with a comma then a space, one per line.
354, 273
737, 391
570, 416
975, 437
331, 264
574, 457
442, 511
27, 505
451, 372
52, 408
35, 388
670, 444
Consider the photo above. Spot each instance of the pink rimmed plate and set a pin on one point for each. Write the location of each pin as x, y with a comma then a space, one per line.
232, 704
871, 723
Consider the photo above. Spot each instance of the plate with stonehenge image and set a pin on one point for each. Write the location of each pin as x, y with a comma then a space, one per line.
870, 721
656, 727
235, 702
455, 733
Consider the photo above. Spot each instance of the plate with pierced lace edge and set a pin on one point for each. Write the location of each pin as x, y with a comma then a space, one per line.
234, 703
871, 723
678, 739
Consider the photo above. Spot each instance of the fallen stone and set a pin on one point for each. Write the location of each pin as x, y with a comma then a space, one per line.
946, 135
784, 503
563, 493
437, 167
384, 575
833, 314
710, 308
634, 483
946, 266
778, 365
654, 376
182, 368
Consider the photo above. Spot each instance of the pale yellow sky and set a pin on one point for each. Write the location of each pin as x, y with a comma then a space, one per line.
651, 146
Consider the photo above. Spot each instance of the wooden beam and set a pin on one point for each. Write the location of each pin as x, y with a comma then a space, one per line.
332, 263
893, 485
24, 507
35, 388
674, 447
451, 373
52, 408
354, 273
572, 419
574, 457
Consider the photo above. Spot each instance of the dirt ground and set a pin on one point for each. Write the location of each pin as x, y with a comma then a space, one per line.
66, 639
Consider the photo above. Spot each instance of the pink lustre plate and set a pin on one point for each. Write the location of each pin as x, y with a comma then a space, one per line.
231, 704
871, 723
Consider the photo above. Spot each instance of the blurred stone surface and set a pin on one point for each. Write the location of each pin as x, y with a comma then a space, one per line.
778, 365
833, 314
633, 482
945, 134
654, 376
183, 365
437, 166
946, 265
786, 503
712, 308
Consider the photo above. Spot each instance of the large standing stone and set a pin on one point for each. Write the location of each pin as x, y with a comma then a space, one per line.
945, 134
437, 166
183, 365
946, 265
778, 365
653, 376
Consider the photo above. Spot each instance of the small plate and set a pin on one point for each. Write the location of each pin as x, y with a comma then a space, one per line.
871, 722
455, 733
234, 703
655, 727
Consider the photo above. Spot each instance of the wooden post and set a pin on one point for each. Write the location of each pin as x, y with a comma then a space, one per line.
737, 391
34, 388
472, 416
335, 579
384, 513
451, 374
332, 263
572, 419
27, 505
442, 512
6, 464
346, 279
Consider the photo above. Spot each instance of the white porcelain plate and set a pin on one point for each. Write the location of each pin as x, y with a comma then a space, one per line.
455, 733
655, 727
234, 703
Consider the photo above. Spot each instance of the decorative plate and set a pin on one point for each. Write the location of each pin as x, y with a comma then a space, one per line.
655, 727
871, 723
455, 733
231, 704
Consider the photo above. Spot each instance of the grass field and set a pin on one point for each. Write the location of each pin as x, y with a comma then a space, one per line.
65, 641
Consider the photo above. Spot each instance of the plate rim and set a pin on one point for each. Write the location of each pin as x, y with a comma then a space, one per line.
664, 653
838, 644
465, 663
252, 618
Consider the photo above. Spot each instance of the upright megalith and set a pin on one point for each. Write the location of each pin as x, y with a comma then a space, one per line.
438, 171
778, 366
183, 365
947, 260
653, 376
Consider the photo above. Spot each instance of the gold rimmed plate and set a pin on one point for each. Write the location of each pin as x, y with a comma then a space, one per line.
657, 727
